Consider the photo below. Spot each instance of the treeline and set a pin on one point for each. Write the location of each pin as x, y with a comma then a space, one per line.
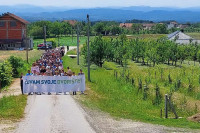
147, 51
61, 28
53, 29
193, 28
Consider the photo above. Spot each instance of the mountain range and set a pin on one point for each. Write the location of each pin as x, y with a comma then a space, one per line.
120, 14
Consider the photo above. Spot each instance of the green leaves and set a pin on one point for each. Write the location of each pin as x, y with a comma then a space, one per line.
5, 74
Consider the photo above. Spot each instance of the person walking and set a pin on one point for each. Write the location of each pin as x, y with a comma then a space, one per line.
29, 74
81, 73
21, 83
74, 92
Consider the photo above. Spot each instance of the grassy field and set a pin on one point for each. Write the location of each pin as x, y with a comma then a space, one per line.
194, 35
33, 54
12, 107
66, 41
121, 99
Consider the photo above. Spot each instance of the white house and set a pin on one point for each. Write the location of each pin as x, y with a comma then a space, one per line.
182, 38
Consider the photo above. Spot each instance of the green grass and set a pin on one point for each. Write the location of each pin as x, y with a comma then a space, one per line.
72, 52
66, 41
120, 99
12, 107
142, 36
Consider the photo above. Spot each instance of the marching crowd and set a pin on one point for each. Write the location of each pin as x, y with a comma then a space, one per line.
50, 64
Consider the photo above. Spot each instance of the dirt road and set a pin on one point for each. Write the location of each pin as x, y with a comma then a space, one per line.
53, 114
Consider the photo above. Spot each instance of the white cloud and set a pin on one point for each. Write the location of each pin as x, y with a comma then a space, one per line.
105, 3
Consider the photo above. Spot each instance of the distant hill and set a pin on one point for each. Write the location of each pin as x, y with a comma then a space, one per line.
121, 14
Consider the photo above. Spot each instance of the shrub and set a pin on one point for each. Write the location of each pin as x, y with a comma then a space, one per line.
5, 74
54, 42
16, 64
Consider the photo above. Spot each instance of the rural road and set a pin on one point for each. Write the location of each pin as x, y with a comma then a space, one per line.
53, 114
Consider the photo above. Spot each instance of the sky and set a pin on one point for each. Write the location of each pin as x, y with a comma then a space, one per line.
105, 3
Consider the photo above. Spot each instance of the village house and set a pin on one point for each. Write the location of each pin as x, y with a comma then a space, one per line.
181, 38
172, 24
144, 26
126, 25
147, 26
71, 22
13, 32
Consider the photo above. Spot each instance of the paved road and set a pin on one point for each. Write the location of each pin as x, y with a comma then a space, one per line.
53, 114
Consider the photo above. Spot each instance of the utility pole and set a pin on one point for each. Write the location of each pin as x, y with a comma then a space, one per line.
58, 41
77, 44
26, 43
88, 47
27, 51
72, 34
45, 43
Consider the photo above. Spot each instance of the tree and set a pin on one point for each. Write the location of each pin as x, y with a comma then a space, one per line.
97, 51
115, 30
160, 29
136, 28
99, 28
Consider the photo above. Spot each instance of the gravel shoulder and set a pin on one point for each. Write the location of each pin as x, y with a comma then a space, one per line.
104, 123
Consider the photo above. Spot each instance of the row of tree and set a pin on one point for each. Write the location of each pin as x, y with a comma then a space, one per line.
57, 28
146, 51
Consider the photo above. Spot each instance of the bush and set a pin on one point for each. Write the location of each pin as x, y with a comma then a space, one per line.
16, 64
5, 74
54, 42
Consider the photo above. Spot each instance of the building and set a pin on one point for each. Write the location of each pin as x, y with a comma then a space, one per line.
183, 26
172, 24
13, 32
147, 26
181, 38
126, 25
71, 22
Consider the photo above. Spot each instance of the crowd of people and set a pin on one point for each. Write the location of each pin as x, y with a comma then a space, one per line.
50, 64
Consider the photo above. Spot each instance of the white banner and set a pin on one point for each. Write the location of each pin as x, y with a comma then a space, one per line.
53, 83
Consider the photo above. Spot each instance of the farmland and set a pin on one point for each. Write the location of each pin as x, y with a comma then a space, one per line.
195, 35
129, 88
33, 54
121, 99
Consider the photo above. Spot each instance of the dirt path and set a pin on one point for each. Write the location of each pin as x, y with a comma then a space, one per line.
14, 89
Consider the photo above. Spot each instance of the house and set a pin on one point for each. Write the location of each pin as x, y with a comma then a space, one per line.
183, 26
147, 26
13, 32
172, 24
71, 22
126, 25
181, 38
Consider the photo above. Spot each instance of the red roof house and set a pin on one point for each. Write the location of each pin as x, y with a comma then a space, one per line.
71, 22
126, 25
13, 31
